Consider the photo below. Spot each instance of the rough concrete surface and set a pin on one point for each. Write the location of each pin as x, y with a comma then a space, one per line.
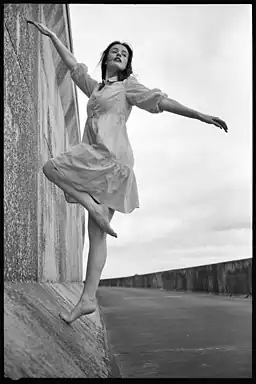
231, 278
160, 334
38, 344
20, 171
43, 234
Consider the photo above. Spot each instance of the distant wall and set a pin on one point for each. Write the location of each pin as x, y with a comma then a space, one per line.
232, 277
43, 235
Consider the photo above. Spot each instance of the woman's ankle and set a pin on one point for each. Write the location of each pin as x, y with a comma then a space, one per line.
88, 297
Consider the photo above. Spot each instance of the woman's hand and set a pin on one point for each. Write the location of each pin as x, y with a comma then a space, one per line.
215, 121
41, 27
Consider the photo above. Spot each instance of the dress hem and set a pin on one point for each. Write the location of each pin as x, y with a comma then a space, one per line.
95, 198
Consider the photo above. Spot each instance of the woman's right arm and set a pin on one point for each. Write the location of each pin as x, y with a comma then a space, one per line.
79, 72
67, 56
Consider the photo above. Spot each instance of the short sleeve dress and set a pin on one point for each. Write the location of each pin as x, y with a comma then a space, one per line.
102, 164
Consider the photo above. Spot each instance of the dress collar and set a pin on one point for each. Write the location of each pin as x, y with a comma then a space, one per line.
112, 79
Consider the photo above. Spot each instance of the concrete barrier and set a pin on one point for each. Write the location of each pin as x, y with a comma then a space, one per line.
232, 277
38, 344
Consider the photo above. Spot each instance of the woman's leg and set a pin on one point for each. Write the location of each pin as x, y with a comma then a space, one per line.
96, 261
99, 212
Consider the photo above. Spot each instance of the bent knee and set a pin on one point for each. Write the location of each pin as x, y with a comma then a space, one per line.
47, 169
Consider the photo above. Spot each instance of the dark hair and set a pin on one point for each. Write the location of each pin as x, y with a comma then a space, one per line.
123, 74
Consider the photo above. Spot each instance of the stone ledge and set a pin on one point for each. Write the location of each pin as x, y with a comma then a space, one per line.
38, 344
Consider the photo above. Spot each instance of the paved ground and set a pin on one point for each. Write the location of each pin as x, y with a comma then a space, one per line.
155, 333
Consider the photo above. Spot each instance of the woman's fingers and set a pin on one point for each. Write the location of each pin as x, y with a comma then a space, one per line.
215, 121
40, 27
29, 21
220, 123
34, 23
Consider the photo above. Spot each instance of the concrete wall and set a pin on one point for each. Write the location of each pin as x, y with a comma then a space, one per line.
43, 235
232, 277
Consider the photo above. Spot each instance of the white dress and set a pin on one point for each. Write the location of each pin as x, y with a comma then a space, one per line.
102, 164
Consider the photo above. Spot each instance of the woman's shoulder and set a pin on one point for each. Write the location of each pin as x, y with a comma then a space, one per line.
130, 81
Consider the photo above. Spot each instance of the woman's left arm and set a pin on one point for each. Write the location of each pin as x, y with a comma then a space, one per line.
174, 106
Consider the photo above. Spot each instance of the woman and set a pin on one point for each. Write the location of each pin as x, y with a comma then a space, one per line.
98, 172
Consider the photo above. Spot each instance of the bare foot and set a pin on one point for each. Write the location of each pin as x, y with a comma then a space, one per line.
85, 306
99, 213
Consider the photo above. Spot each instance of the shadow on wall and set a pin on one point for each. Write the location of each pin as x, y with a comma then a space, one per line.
43, 235
233, 277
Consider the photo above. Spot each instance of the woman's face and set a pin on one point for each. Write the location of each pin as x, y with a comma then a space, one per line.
117, 57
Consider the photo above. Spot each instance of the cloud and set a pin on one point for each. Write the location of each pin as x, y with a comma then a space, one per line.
230, 226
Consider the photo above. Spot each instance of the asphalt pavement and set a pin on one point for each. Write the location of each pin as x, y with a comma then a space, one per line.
163, 334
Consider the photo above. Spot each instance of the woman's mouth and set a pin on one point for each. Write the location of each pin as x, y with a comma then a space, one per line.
118, 60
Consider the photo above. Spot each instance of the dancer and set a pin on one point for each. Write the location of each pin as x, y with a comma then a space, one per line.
98, 172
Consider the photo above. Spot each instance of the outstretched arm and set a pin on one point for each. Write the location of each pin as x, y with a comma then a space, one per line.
174, 106
67, 56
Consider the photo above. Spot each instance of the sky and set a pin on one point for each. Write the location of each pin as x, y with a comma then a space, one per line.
194, 180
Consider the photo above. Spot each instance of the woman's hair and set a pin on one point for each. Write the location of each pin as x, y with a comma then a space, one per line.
123, 74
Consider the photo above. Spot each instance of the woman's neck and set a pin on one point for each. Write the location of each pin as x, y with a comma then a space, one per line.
110, 74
